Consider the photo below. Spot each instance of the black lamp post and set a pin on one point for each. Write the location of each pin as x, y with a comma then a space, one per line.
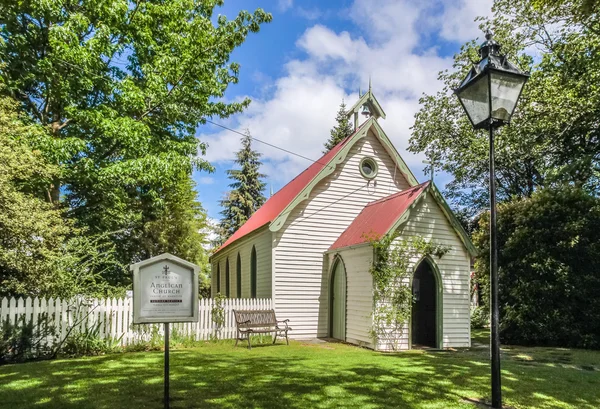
489, 95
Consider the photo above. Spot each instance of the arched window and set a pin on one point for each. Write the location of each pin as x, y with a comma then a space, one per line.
227, 277
253, 273
238, 276
219, 278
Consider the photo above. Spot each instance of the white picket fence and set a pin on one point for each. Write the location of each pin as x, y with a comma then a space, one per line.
114, 317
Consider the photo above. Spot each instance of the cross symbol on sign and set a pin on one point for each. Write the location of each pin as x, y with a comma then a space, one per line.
166, 269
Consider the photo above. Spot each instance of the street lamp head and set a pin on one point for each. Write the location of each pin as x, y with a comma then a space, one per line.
490, 91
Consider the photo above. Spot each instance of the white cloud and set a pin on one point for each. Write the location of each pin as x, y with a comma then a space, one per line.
457, 22
389, 20
284, 5
206, 180
310, 14
300, 110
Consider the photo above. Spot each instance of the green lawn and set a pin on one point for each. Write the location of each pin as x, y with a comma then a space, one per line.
306, 375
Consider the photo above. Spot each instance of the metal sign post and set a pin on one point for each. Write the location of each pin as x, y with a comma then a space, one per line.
165, 290
166, 398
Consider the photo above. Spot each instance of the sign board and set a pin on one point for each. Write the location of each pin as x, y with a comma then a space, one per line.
165, 289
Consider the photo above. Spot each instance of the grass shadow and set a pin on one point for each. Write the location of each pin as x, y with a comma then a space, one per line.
333, 375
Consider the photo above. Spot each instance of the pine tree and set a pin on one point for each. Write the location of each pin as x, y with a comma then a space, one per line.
246, 194
339, 131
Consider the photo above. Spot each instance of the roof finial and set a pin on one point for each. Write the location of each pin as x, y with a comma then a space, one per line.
359, 94
369, 84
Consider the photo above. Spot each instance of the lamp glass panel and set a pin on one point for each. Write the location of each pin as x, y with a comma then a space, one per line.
506, 89
475, 99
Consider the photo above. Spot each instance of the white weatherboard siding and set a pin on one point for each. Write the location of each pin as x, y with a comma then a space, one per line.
262, 242
359, 293
428, 221
301, 287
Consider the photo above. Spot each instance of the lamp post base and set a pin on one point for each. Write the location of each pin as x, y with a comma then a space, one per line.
482, 403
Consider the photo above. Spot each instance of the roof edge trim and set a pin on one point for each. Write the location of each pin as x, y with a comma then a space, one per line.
351, 246
327, 170
367, 97
437, 196
391, 150
403, 218
239, 241
460, 231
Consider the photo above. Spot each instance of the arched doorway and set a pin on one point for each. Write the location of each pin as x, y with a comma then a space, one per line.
426, 316
338, 301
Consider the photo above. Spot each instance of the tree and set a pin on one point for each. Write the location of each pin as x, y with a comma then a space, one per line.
121, 86
247, 187
179, 227
549, 268
579, 9
41, 253
554, 134
341, 130
30, 229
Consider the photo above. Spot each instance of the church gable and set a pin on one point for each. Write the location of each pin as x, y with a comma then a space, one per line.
378, 149
366, 173
279, 207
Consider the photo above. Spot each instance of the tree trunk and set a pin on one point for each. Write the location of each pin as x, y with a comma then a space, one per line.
55, 192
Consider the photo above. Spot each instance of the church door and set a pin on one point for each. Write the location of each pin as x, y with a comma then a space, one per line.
338, 302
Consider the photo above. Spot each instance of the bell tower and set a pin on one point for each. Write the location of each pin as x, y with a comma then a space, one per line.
368, 105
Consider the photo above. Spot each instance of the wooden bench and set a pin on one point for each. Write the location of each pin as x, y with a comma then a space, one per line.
251, 322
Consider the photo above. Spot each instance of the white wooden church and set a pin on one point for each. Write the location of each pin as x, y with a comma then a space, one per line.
307, 246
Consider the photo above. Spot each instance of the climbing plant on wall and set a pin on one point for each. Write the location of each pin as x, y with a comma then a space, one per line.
218, 315
391, 269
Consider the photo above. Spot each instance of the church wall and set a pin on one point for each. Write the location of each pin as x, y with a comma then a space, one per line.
300, 283
261, 240
359, 291
428, 221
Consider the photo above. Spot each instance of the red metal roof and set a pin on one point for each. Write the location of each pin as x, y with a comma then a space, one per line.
280, 200
378, 217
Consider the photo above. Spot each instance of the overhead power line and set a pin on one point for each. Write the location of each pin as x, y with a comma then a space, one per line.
208, 120
266, 143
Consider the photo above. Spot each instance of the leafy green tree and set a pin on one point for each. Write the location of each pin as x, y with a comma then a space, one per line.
579, 9
549, 268
554, 134
41, 253
247, 187
341, 130
30, 229
121, 86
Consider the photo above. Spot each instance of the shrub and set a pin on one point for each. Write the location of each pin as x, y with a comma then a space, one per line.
147, 338
549, 268
24, 340
480, 317
89, 342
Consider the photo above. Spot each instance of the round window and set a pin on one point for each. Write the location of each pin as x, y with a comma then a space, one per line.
368, 168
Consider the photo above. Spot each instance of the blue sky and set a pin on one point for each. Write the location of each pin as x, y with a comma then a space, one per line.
297, 69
